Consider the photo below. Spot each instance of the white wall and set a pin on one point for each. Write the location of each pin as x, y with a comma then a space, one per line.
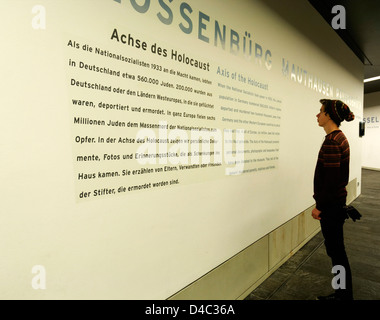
152, 242
371, 141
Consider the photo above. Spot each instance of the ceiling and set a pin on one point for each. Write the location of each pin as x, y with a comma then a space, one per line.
362, 33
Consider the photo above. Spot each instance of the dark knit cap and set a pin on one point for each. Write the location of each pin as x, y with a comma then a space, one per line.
337, 110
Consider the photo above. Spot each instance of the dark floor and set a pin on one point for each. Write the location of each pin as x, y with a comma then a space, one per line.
308, 273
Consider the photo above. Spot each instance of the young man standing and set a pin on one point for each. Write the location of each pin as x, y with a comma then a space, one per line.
330, 180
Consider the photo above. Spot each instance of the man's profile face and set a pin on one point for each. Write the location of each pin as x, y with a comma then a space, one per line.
322, 117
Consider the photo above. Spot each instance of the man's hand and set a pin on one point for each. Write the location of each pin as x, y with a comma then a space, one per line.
315, 214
